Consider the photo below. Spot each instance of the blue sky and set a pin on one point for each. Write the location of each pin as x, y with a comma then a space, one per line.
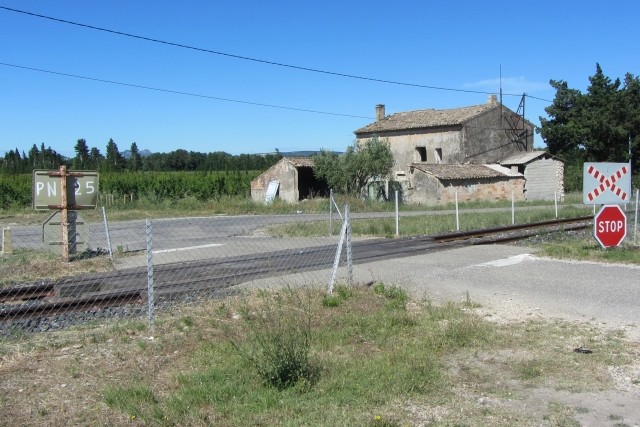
459, 45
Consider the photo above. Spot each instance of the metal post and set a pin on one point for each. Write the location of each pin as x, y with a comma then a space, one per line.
347, 218
397, 216
106, 231
336, 260
457, 214
635, 222
330, 212
150, 294
513, 209
555, 202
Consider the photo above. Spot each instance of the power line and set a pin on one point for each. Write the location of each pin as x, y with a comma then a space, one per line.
176, 92
246, 58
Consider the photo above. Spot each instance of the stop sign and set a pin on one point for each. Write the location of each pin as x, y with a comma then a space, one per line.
610, 226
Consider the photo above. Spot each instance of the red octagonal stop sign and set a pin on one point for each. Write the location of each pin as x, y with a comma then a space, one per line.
610, 226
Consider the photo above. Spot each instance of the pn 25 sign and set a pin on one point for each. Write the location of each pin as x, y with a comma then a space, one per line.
82, 189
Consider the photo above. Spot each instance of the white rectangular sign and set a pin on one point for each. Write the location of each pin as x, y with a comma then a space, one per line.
606, 183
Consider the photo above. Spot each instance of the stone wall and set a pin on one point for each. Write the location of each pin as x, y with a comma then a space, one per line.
428, 189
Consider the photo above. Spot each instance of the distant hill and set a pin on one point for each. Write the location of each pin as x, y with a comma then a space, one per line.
299, 153
143, 153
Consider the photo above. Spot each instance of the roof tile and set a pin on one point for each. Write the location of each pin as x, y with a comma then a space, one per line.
420, 119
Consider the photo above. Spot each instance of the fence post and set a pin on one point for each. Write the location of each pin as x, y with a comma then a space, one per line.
347, 218
106, 230
336, 260
555, 202
331, 212
513, 209
457, 214
150, 294
635, 222
397, 216
6, 241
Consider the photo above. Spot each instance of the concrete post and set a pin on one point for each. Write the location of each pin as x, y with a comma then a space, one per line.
6, 241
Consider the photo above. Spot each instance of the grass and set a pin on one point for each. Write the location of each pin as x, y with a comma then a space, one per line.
189, 206
588, 249
427, 224
379, 359
28, 265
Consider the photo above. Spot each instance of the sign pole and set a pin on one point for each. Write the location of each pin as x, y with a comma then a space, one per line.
65, 213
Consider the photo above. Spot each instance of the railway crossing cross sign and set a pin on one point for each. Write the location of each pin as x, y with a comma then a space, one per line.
610, 226
606, 183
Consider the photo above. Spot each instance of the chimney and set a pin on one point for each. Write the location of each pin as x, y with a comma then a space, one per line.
492, 100
379, 112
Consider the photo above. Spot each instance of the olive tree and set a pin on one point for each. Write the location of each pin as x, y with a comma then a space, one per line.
349, 173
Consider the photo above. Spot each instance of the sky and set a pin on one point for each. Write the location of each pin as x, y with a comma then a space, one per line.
221, 89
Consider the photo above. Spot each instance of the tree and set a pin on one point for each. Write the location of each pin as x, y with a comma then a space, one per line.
81, 161
595, 126
135, 161
352, 171
95, 158
115, 161
601, 125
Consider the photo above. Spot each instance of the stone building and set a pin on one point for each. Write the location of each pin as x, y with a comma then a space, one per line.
440, 152
291, 179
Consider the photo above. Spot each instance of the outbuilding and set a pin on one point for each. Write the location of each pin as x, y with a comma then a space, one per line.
544, 174
291, 180
429, 183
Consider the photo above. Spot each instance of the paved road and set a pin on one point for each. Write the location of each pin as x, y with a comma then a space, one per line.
173, 233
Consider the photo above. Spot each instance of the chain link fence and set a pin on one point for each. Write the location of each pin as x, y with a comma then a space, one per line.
135, 269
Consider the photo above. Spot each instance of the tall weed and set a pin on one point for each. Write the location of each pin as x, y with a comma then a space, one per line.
278, 338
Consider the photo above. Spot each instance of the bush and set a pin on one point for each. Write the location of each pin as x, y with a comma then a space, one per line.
278, 338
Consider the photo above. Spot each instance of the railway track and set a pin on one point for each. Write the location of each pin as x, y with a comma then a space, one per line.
82, 293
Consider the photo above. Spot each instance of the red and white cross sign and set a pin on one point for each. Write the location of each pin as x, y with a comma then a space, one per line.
606, 183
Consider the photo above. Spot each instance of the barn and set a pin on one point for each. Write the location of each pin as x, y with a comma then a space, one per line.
291, 180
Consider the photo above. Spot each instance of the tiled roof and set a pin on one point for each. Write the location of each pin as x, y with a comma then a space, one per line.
505, 171
455, 171
300, 161
420, 119
524, 157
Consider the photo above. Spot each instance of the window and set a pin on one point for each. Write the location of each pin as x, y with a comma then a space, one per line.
438, 155
422, 153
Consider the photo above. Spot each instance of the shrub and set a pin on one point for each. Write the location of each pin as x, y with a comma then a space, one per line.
278, 337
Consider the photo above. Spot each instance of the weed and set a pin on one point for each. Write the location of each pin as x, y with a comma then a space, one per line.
397, 297
130, 399
278, 339
344, 292
380, 421
468, 303
331, 301
529, 370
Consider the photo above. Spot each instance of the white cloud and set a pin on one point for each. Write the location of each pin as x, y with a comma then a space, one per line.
514, 85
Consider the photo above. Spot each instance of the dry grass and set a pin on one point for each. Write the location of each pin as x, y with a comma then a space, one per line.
382, 364
25, 265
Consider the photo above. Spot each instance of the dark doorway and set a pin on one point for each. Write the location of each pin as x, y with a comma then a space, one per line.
309, 186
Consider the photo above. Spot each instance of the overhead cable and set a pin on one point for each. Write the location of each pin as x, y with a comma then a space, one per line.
247, 58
